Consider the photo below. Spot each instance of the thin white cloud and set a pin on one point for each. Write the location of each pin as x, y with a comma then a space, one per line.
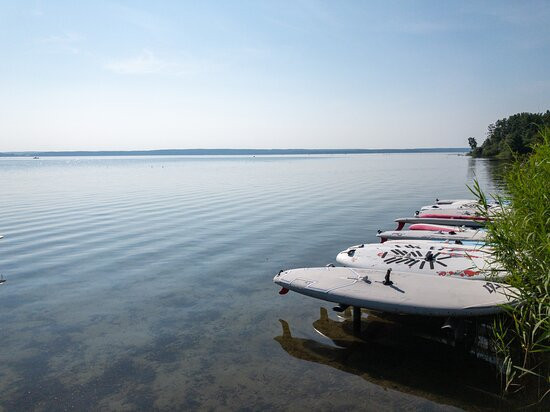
66, 42
144, 63
65, 38
148, 62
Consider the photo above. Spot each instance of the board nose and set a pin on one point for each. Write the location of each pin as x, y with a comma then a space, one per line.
343, 257
285, 277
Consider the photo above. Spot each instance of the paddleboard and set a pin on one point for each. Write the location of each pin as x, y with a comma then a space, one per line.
442, 214
471, 205
438, 259
460, 235
460, 213
455, 201
441, 228
438, 221
458, 204
403, 293
467, 245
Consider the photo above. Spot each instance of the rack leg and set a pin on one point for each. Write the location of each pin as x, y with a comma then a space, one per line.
356, 319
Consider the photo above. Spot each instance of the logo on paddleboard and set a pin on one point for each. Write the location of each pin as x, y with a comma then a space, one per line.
432, 260
414, 257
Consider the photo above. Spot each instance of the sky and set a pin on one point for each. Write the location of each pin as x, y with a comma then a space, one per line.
115, 75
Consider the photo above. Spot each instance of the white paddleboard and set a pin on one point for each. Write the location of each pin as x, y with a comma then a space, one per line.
449, 213
459, 204
439, 221
409, 293
467, 246
442, 228
459, 235
435, 259
458, 213
454, 201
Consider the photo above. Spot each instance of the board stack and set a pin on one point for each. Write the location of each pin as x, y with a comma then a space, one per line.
440, 266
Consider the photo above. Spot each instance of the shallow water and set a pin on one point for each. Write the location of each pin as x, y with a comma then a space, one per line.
146, 282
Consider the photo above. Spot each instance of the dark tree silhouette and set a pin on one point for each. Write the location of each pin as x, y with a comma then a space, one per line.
515, 134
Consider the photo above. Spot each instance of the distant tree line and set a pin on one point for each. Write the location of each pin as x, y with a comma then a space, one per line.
232, 152
513, 135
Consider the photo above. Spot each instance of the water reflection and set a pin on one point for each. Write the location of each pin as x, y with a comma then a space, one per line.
494, 169
392, 355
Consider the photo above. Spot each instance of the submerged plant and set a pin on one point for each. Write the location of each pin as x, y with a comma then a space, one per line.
519, 234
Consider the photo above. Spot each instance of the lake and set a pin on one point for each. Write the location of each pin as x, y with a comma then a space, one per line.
136, 283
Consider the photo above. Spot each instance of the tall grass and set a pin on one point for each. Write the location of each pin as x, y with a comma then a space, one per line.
520, 236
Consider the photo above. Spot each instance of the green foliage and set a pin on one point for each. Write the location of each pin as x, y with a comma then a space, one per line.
520, 236
514, 135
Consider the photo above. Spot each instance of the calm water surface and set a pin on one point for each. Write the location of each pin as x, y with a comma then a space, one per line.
146, 282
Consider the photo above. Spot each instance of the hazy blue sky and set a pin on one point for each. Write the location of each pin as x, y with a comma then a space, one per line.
263, 74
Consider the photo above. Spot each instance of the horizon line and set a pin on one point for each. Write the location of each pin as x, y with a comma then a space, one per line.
14, 153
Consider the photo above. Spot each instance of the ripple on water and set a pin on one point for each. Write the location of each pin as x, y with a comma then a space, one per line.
142, 283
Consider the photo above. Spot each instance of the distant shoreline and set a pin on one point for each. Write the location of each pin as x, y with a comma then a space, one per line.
230, 152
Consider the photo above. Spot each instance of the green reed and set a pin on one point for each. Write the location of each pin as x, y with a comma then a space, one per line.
520, 236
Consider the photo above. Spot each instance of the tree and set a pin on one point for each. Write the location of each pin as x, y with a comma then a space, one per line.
513, 135
472, 142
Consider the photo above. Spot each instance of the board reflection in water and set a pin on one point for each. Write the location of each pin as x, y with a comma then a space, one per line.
400, 356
